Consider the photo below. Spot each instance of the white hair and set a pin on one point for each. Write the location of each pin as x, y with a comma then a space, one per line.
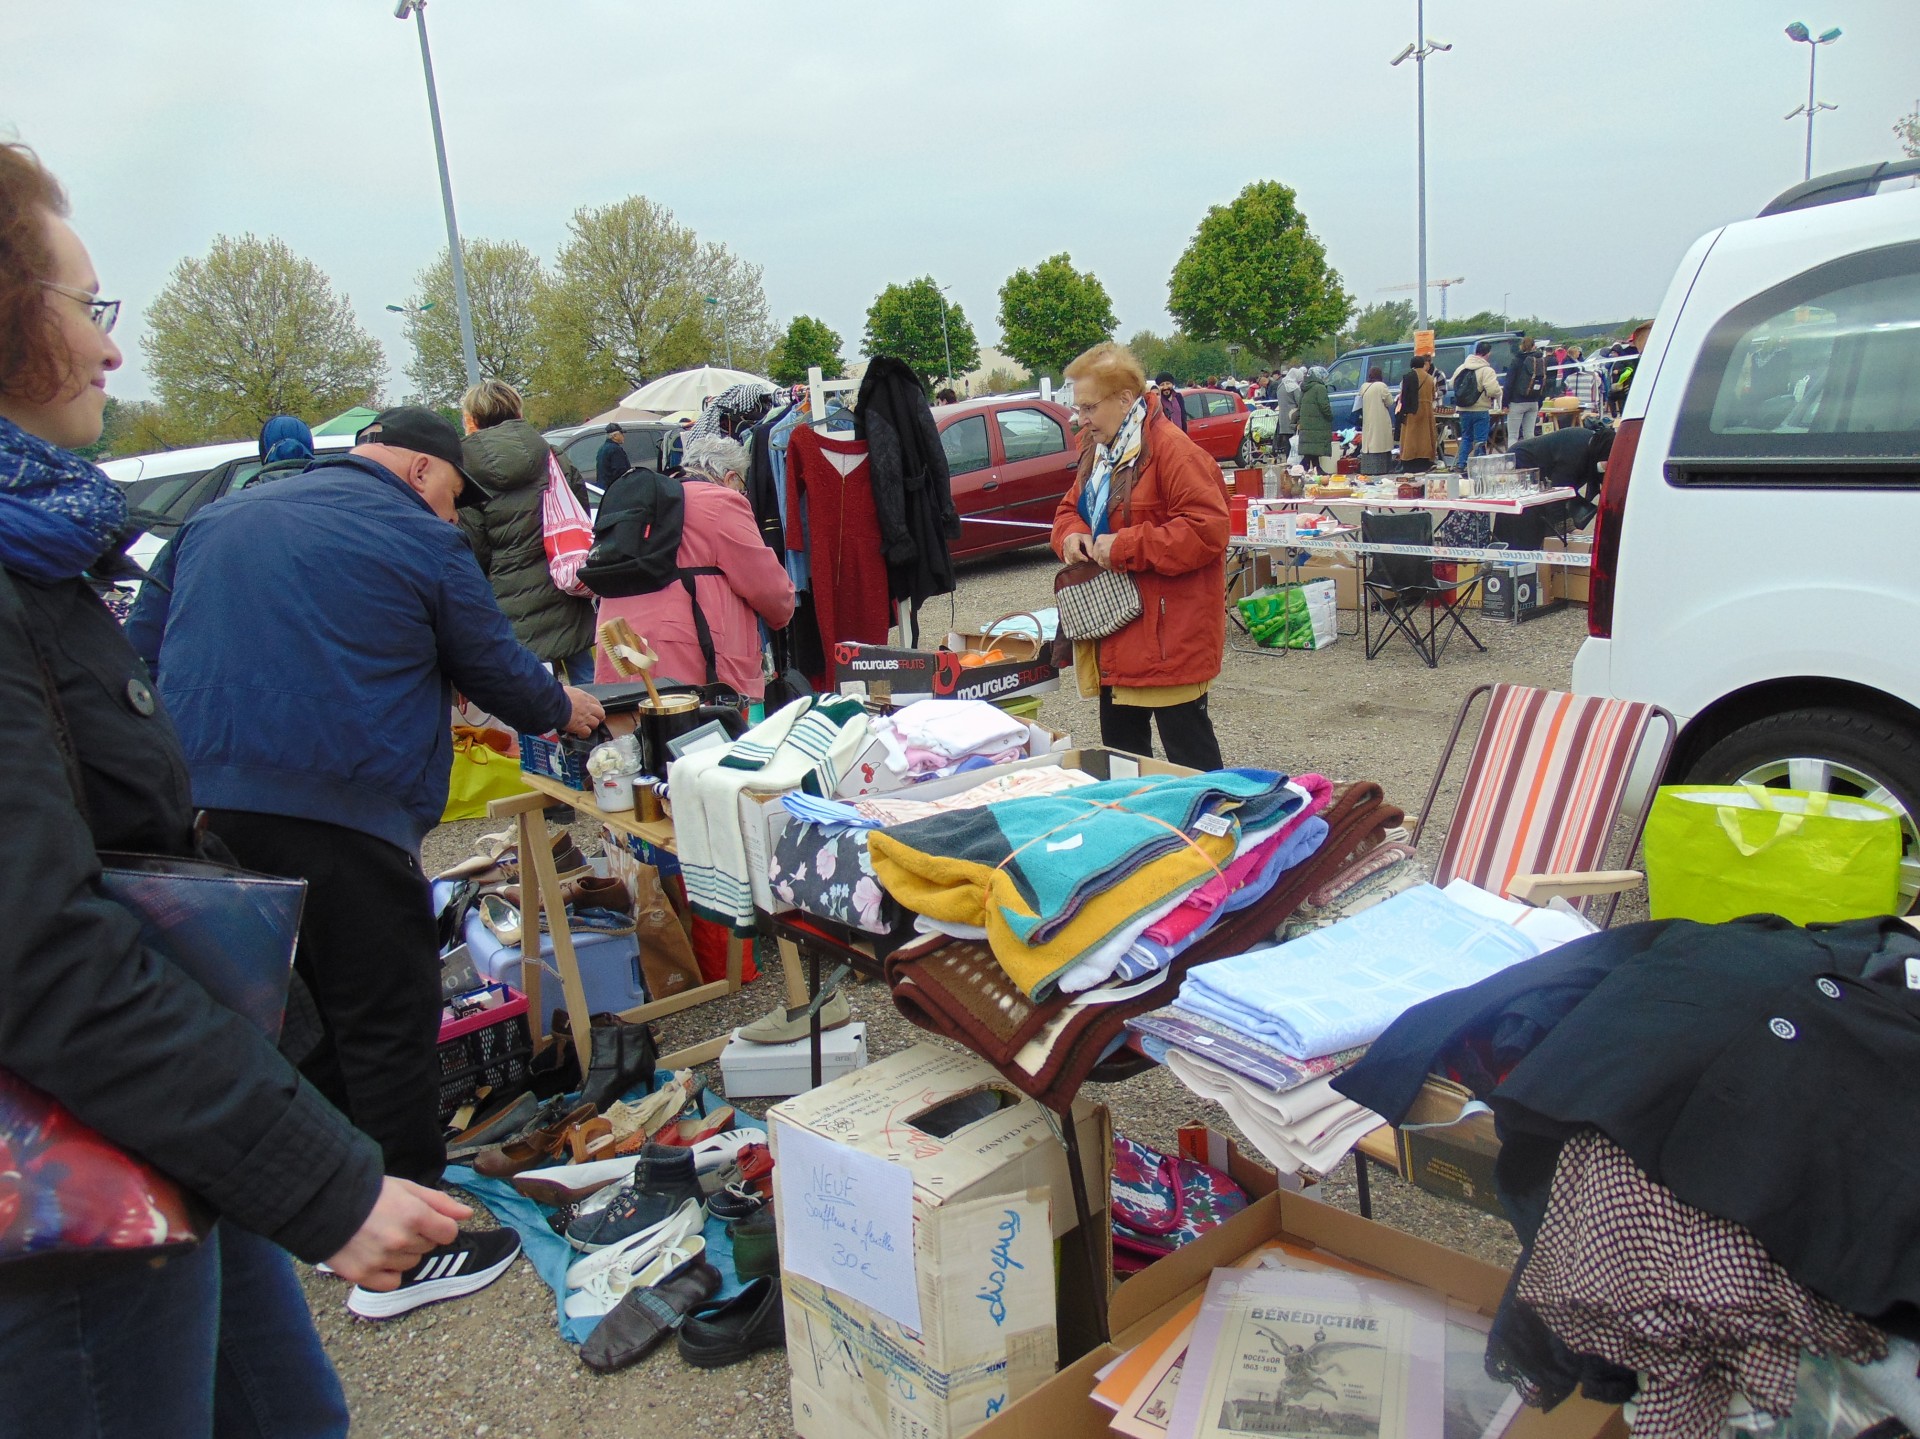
716, 455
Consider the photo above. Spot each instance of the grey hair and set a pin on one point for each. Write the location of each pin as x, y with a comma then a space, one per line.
716, 455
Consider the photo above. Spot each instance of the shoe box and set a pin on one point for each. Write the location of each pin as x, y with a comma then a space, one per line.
609, 964
932, 1268
762, 1071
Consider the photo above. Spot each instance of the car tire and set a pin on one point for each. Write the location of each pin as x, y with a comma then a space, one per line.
1857, 755
1245, 457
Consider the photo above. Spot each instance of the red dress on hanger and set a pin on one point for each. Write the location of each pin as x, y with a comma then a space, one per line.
829, 477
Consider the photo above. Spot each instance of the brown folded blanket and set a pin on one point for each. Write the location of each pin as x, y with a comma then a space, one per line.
959, 991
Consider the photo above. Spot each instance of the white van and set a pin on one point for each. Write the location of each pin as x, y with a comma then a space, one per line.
1756, 563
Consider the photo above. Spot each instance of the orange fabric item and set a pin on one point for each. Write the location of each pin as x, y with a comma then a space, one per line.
710, 943
1169, 522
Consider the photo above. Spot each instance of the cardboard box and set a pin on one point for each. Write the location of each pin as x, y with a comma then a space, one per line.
1345, 577
1061, 1408
1517, 592
1446, 1154
939, 673
858, 1374
775, 1071
1570, 584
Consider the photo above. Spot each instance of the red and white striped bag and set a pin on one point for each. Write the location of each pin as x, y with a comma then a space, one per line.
568, 531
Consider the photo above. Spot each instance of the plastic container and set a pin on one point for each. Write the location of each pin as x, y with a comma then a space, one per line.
1237, 514
564, 760
490, 1049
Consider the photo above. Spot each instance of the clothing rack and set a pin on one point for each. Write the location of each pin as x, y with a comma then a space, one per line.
818, 388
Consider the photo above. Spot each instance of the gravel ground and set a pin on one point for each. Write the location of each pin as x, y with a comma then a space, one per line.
494, 1363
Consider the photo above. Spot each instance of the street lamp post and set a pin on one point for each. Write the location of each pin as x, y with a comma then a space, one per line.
726, 330
418, 9
1801, 35
943, 332
1418, 52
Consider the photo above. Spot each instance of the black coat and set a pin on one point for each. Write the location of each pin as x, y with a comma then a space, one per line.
610, 463
1527, 377
1567, 459
912, 491
130, 1044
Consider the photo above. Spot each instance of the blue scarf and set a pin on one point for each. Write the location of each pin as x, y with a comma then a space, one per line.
58, 513
1096, 493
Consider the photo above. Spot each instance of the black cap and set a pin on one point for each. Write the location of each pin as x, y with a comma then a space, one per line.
410, 427
1163, 378
614, 429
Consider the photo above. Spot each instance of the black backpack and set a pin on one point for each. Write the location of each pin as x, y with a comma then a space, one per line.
636, 547
1466, 388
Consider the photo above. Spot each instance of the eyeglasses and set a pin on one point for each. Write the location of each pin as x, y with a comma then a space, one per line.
1083, 411
105, 314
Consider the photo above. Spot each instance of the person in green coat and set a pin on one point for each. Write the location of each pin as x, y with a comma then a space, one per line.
1316, 422
508, 457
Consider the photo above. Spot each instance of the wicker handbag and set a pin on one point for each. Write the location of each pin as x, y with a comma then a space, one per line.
1094, 602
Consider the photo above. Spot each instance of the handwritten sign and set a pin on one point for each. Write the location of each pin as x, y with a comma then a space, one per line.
846, 1221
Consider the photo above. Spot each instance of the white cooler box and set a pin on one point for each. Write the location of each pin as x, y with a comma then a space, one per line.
756, 1071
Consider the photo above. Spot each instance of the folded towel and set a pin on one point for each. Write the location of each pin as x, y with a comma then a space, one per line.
1310, 1128
1344, 985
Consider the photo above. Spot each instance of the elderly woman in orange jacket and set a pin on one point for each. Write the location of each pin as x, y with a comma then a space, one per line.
1148, 502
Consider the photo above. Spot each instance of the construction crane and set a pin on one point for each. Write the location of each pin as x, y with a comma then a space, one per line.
1444, 285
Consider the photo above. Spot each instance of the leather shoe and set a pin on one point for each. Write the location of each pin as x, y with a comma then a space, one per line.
620, 1057
635, 1326
533, 1146
783, 1026
501, 1124
729, 1333
756, 1252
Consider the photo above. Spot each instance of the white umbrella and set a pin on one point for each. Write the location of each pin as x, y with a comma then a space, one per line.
690, 389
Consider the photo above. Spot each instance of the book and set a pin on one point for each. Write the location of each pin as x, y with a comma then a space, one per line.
1285, 1354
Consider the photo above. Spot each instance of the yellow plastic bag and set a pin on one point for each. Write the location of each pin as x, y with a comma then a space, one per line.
486, 767
1717, 852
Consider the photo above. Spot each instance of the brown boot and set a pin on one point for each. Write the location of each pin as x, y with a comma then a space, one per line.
666, 954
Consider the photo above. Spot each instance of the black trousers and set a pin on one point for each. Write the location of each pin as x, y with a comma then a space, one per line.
370, 955
1186, 731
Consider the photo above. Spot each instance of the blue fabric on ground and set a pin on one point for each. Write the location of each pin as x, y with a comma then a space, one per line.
551, 1255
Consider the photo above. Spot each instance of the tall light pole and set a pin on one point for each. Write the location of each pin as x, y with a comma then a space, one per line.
418, 9
1418, 52
1800, 35
726, 330
943, 332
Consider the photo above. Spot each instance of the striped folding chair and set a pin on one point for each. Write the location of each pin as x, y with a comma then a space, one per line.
1542, 794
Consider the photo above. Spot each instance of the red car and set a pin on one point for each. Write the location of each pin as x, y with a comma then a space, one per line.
1217, 422
1011, 459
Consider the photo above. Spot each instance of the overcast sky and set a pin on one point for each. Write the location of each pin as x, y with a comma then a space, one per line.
1574, 149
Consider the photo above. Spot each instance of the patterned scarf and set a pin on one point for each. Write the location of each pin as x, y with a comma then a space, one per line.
58, 513
1097, 491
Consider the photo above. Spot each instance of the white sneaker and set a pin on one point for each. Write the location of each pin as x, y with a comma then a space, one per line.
637, 1249
606, 1288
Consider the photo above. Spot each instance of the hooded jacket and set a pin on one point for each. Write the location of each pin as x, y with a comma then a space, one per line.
509, 540
1168, 511
912, 491
1316, 416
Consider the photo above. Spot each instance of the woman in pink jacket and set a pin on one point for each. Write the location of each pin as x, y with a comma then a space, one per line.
718, 532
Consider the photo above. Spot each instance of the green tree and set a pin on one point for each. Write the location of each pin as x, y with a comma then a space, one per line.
1907, 131
807, 342
1254, 274
1188, 360
904, 322
504, 279
252, 330
628, 302
1051, 313
1381, 324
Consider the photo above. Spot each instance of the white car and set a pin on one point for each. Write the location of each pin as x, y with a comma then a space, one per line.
1754, 563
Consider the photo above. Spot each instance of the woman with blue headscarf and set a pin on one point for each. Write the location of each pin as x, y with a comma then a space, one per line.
285, 438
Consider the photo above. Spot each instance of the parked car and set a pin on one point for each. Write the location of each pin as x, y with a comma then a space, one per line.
580, 445
1753, 564
1011, 459
1348, 373
1217, 421
166, 488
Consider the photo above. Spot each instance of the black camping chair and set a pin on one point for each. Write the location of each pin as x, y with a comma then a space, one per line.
1413, 601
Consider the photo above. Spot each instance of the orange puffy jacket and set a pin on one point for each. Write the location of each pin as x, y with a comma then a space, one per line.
1168, 514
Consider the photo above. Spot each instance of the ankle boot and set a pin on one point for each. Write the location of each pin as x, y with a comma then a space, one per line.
621, 1056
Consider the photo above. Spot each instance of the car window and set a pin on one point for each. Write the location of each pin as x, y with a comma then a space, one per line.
1393, 367
1029, 434
1824, 366
1195, 406
244, 474
159, 497
1346, 374
965, 442
1220, 405
1502, 357
1447, 359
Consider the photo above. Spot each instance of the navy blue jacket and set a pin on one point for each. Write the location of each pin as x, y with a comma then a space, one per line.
308, 651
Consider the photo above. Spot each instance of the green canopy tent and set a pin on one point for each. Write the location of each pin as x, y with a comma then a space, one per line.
349, 422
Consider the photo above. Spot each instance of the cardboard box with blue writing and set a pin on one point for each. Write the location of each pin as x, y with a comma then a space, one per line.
932, 1268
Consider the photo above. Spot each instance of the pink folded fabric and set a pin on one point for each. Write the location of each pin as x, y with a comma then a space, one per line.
1194, 910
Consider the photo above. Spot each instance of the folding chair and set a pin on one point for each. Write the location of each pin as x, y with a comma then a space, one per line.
1542, 795
1408, 591
1539, 805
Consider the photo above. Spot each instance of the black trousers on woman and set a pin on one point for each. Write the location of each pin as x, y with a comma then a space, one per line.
1186, 731
370, 953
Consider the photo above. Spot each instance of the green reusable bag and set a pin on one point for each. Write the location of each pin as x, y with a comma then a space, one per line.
1279, 617
1716, 852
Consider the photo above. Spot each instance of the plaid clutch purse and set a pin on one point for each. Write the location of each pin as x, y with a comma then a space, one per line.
1094, 602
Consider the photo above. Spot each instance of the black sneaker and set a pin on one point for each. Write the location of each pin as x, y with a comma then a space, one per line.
663, 1180
466, 1266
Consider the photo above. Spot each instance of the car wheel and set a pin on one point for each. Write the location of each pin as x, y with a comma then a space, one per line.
1833, 751
1245, 457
